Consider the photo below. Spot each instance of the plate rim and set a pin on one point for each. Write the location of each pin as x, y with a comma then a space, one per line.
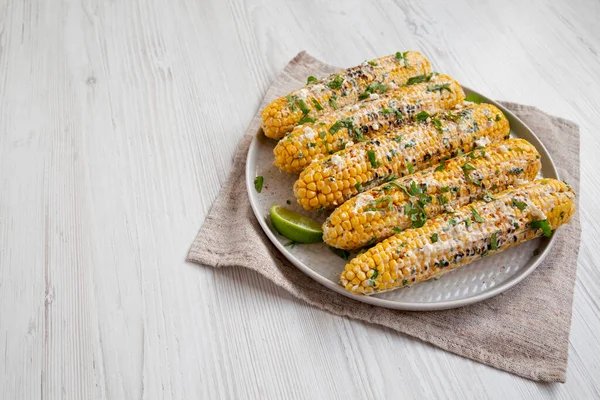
547, 163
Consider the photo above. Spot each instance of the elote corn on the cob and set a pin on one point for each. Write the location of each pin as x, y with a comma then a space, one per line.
452, 240
329, 182
338, 90
408, 202
354, 123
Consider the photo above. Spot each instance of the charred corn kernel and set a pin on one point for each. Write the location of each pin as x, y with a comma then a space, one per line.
445, 187
338, 90
408, 149
515, 216
342, 128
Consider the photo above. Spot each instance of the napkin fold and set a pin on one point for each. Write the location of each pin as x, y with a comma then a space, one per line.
524, 330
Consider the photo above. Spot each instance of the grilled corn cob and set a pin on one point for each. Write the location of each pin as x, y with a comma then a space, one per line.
338, 90
338, 129
333, 180
408, 202
450, 241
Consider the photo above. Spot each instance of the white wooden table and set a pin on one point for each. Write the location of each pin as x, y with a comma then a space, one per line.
118, 122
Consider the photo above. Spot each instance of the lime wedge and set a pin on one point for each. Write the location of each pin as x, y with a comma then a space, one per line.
295, 226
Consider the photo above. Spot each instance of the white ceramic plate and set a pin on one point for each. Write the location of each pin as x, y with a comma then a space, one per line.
470, 284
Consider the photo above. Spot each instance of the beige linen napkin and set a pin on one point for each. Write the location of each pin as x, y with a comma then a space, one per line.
524, 330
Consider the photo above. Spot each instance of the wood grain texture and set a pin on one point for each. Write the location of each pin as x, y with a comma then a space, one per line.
118, 122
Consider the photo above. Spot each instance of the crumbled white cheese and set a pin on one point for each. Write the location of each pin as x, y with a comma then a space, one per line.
392, 85
349, 143
482, 142
302, 94
309, 133
502, 148
462, 127
354, 107
318, 88
373, 96
337, 161
375, 126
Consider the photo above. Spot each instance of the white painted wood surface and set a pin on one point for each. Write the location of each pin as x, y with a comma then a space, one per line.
118, 122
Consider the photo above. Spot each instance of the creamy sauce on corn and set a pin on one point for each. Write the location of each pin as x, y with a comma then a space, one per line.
361, 201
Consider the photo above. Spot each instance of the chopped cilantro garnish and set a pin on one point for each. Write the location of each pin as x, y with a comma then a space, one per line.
291, 244
373, 205
476, 216
312, 144
466, 168
291, 102
342, 123
468, 222
375, 274
444, 189
410, 167
494, 241
372, 158
442, 200
389, 178
452, 222
333, 104
336, 83
487, 197
373, 88
397, 139
434, 238
422, 116
397, 230
258, 183
438, 125
311, 79
416, 213
373, 63
317, 105
498, 118
402, 57
442, 165
439, 88
372, 241
544, 225
306, 119
519, 204
419, 79
303, 107
414, 189
474, 98
452, 116
322, 135
358, 187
